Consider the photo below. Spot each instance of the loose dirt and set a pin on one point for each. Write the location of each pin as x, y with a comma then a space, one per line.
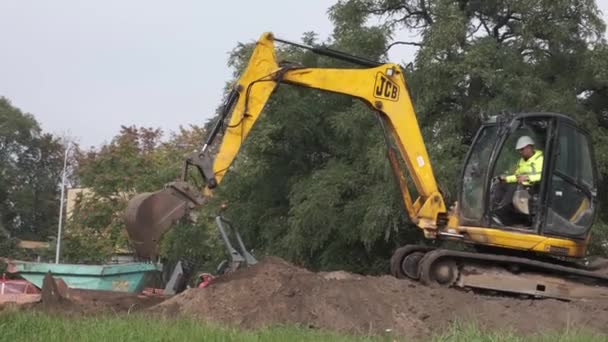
56, 298
276, 292
98, 302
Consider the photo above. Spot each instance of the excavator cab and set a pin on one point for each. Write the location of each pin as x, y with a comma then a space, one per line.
561, 204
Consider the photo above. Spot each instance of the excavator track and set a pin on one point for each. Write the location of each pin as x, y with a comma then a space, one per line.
495, 272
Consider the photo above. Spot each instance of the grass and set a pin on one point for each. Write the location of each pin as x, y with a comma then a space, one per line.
37, 326
471, 333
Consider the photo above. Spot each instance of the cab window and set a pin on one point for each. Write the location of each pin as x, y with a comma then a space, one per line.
475, 172
571, 193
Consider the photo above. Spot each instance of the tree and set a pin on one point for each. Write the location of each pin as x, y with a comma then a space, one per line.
30, 166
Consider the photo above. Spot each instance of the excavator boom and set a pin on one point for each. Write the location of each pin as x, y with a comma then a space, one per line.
381, 86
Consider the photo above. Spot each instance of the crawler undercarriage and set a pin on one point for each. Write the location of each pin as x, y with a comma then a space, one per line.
496, 272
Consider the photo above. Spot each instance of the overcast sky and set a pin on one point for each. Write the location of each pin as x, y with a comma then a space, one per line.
83, 68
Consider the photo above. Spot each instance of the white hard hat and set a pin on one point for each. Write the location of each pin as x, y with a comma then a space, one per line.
523, 141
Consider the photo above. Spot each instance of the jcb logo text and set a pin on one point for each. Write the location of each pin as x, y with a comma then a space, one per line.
385, 88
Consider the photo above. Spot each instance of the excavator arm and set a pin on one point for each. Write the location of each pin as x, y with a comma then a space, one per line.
381, 86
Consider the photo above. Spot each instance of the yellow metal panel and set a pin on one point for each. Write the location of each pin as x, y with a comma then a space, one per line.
524, 241
405, 192
255, 87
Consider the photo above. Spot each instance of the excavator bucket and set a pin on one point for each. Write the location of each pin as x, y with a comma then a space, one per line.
149, 216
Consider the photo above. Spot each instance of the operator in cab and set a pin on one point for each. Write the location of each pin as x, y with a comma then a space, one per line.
530, 166
526, 176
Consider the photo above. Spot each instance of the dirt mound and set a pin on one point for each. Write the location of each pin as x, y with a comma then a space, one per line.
276, 292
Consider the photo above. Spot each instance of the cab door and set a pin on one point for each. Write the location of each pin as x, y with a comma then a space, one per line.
570, 201
473, 193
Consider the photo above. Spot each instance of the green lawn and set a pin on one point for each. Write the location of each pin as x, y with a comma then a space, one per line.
36, 326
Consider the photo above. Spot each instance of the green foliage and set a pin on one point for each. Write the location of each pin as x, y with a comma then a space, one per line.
196, 243
30, 166
120, 165
8, 246
93, 230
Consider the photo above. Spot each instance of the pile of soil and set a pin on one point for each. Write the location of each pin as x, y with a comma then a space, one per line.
276, 292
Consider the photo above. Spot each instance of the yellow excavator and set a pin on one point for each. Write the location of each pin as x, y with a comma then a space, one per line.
530, 241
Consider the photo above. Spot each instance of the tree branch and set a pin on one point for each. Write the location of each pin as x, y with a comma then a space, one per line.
400, 43
425, 13
418, 14
475, 30
485, 26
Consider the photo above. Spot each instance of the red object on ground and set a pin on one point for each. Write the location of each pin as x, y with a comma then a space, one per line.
206, 279
16, 286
